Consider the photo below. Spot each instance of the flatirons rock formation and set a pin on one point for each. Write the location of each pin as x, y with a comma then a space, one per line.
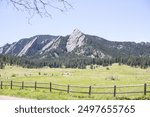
76, 44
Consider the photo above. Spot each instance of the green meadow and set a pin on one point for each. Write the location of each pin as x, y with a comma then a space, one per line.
119, 75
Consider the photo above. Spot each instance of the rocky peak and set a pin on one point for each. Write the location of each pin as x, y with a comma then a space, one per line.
76, 39
76, 32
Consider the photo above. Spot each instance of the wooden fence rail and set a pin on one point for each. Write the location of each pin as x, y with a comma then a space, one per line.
69, 88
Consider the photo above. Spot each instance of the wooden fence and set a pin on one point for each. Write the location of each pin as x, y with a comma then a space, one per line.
113, 90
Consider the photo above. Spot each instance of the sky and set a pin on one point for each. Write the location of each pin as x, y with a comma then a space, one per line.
115, 20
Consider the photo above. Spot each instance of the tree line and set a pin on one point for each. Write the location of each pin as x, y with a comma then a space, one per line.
73, 62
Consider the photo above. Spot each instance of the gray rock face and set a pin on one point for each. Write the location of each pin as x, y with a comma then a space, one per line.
77, 43
76, 39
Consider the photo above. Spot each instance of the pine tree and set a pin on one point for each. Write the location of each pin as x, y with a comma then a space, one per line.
2, 66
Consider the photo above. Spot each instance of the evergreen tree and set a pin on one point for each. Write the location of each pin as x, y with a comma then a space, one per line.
2, 66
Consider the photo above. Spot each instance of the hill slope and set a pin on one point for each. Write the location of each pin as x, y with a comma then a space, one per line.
75, 44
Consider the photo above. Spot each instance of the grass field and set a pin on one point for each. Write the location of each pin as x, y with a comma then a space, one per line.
101, 76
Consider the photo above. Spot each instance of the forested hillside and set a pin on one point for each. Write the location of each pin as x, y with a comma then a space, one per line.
73, 62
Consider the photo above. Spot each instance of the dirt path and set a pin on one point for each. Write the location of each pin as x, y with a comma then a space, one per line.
11, 98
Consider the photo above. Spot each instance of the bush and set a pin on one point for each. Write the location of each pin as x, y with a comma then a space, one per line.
13, 75
107, 68
112, 78
45, 74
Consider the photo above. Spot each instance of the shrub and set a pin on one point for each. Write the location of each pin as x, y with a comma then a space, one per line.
13, 75
45, 74
107, 68
112, 78
25, 75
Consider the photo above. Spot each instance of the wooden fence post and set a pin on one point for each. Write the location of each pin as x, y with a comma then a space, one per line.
35, 85
90, 90
114, 90
22, 84
145, 86
50, 87
68, 89
1, 84
11, 84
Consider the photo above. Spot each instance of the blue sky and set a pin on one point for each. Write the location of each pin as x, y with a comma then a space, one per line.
116, 20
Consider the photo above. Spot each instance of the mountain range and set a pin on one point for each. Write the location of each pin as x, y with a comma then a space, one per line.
75, 44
